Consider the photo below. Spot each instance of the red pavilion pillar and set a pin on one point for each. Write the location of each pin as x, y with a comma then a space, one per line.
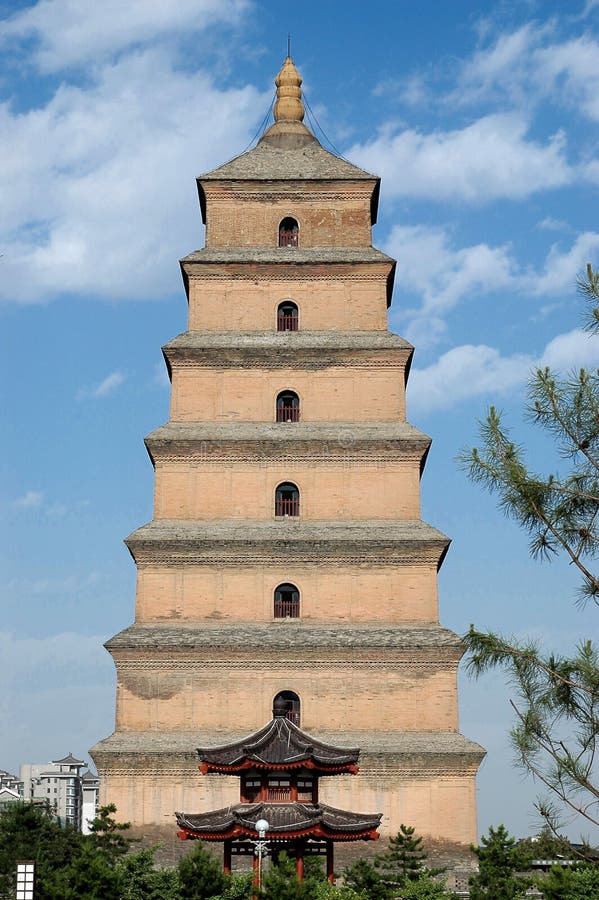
331, 861
227, 857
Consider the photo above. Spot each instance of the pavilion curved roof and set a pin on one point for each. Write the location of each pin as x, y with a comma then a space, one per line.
279, 745
288, 820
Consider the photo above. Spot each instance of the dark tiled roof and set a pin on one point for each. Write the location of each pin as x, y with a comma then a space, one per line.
280, 742
283, 818
68, 760
266, 162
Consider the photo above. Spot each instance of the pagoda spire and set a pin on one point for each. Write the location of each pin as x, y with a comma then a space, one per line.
288, 105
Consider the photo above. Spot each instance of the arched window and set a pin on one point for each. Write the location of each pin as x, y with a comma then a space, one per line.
287, 500
287, 602
287, 316
288, 232
288, 407
287, 704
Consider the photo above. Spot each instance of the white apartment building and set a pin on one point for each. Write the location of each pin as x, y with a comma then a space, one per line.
71, 794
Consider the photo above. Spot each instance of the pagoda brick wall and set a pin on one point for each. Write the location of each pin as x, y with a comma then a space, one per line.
326, 216
247, 305
351, 594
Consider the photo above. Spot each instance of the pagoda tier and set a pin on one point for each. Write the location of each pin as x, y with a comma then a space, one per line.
279, 745
287, 820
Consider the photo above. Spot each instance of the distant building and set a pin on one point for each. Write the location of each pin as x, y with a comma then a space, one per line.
11, 789
69, 792
90, 788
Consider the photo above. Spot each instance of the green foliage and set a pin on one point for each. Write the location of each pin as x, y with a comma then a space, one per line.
107, 835
140, 880
404, 860
326, 891
577, 883
89, 876
201, 875
280, 880
28, 831
425, 888
239, 887
556, 696
499, 857
547, 845
366, 880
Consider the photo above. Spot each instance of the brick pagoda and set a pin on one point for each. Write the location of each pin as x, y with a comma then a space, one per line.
287, 558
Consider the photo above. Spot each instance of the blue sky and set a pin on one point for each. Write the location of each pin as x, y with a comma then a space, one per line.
481, 120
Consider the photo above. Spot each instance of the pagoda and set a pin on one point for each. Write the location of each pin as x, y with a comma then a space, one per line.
287, 560
279, 768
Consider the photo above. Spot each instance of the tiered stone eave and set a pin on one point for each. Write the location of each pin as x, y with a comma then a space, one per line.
412, 753
254, 263
246, 638
298, 350
293, 441
231, 541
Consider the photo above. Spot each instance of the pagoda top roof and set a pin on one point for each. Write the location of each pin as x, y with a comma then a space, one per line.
285, 820
272, 161
288, 150
279, 745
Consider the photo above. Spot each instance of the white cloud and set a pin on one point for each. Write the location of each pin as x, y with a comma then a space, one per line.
107, 386
489, 159
560, 269
473, 371
569, 352
442, 275
117, 161
72, 32
551, 224
30, 500
463, 372
528, 65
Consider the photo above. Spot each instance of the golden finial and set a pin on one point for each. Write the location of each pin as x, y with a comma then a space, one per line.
289, 106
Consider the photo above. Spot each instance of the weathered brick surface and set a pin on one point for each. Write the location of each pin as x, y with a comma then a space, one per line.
328, 395
251, 304
327, 593
238, 490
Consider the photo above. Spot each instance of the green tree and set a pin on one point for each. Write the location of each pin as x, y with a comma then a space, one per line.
425, 888
108, 835
141, 880
28, 831
404, 860
201, 875
365, 879
280, 880
577, 883
556, 695
499, 858
89, 876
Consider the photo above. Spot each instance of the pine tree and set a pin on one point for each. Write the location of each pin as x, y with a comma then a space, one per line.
499, 858
201, 875
404, 860
556, 696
